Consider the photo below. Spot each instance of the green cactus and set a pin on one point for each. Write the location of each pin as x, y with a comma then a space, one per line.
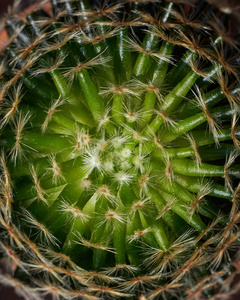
120, 142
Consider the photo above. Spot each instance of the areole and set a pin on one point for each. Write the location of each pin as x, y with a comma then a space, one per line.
120, 142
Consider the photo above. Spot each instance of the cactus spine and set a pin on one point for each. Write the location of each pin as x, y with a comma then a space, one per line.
120, 142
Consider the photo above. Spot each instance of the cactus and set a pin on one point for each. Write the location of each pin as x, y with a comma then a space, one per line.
120, 142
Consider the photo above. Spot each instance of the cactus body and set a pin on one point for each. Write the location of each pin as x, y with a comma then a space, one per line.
120, 142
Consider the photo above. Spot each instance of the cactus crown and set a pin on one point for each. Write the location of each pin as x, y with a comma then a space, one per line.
120, 138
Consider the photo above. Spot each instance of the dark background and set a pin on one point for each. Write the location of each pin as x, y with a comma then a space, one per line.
8, 293
4, 5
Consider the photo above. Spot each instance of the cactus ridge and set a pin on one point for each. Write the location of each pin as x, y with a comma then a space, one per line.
120, 144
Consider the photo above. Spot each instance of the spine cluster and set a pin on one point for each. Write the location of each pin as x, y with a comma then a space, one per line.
120, 143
